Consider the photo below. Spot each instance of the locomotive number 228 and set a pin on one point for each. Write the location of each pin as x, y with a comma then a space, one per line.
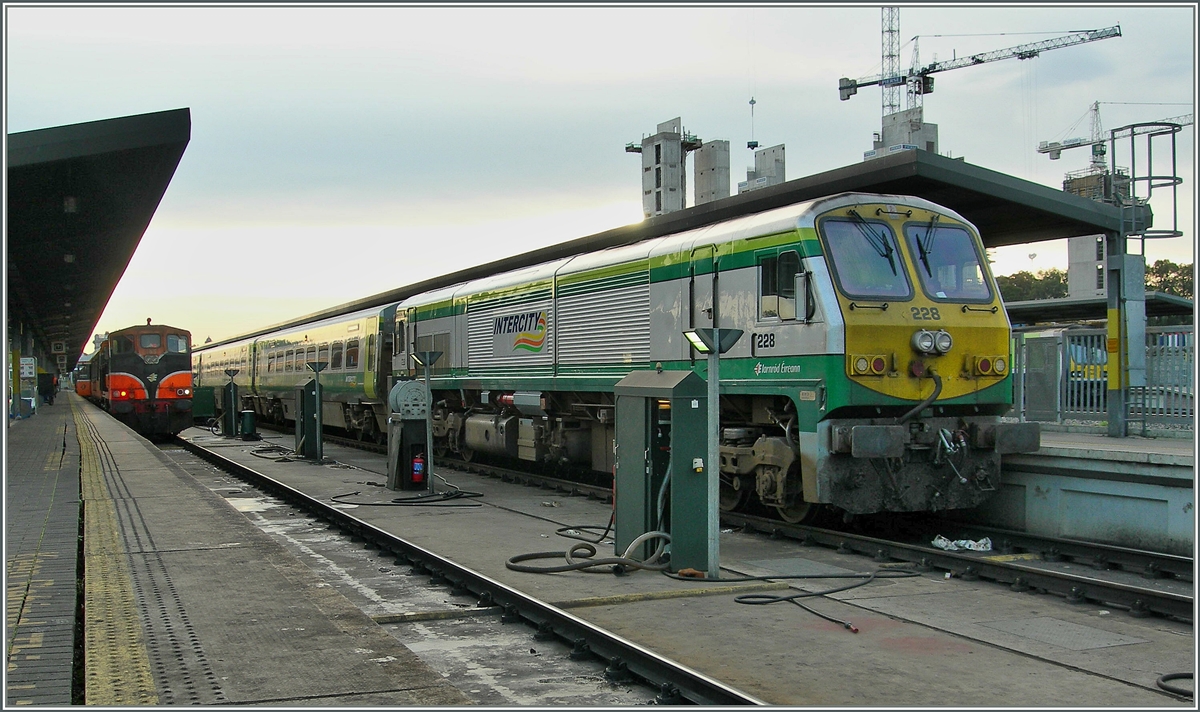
764, 341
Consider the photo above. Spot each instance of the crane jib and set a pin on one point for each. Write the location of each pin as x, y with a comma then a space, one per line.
849, 87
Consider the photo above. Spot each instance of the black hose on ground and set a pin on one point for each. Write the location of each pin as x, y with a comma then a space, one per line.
759, 599
585, 551
567, 531
426, 499
1182, 691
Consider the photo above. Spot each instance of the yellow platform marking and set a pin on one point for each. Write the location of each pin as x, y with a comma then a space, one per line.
115, 659
53, 462
1014, 557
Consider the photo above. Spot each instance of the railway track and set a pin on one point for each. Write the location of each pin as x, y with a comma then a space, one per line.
1142, 582
625, 660
1025, 563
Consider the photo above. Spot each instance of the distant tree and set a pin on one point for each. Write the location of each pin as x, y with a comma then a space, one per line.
1023, 286
1166, 276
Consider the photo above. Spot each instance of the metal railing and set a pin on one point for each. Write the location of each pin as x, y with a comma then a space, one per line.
1061, 376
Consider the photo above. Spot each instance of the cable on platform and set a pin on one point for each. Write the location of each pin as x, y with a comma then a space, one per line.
1182, 691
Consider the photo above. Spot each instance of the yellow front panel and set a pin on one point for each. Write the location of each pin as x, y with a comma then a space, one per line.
977, 328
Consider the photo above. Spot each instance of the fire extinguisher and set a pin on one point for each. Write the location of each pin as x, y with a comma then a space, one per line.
418, 468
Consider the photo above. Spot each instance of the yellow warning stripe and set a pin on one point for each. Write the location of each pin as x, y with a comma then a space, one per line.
116, 664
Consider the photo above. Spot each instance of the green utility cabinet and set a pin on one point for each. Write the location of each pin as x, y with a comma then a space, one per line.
661, 418
308, 437
204, 404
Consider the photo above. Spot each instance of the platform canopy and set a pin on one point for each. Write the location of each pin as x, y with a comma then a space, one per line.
79, 199
1043, 311
1007, 210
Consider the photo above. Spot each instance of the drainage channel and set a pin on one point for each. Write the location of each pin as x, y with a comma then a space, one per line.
477, 601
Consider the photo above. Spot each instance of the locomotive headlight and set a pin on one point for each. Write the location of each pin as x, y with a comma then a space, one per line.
861, 364
942, 341
999, 365
923, 341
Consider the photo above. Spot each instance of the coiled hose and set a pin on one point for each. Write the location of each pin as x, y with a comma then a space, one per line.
579, 558
1183, 692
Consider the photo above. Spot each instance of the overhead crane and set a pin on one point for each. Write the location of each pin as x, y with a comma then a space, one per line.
1098, 140
918, 79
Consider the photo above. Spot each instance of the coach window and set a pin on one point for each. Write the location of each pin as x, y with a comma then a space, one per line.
352, 354
310, 355
335, 356
289, 360
177, 344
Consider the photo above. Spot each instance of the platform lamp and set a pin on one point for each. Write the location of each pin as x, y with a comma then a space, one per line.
317, 367
713, 342
231, 402
427, 359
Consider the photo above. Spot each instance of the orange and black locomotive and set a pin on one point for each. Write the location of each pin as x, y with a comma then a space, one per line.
142, 375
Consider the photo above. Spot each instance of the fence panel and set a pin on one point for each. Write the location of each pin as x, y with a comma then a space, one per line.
1170, 376
1061, 375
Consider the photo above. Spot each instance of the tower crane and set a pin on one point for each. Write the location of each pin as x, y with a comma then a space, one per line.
1098, 140
919, 81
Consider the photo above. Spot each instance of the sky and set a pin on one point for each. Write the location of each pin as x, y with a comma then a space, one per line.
339, 152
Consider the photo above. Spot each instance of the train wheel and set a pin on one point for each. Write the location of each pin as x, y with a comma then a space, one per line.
798, 511
795, 510
467, 454
734, 493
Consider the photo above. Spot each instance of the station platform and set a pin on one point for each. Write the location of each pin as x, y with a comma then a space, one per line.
41, 542
183, 600
1134, 492
921, 641
188, 602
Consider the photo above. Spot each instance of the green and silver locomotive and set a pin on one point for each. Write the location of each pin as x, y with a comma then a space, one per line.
872, 375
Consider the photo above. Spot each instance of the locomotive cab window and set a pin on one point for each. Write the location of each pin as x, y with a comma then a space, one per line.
152, 342
352, 353
866, 260
948, 262
122, 345
177, 344
335, 358
777, 285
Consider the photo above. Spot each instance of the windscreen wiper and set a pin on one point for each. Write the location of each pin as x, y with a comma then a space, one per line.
882, 247
925, 244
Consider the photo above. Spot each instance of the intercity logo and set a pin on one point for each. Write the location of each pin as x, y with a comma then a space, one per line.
775, 368
520, 332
